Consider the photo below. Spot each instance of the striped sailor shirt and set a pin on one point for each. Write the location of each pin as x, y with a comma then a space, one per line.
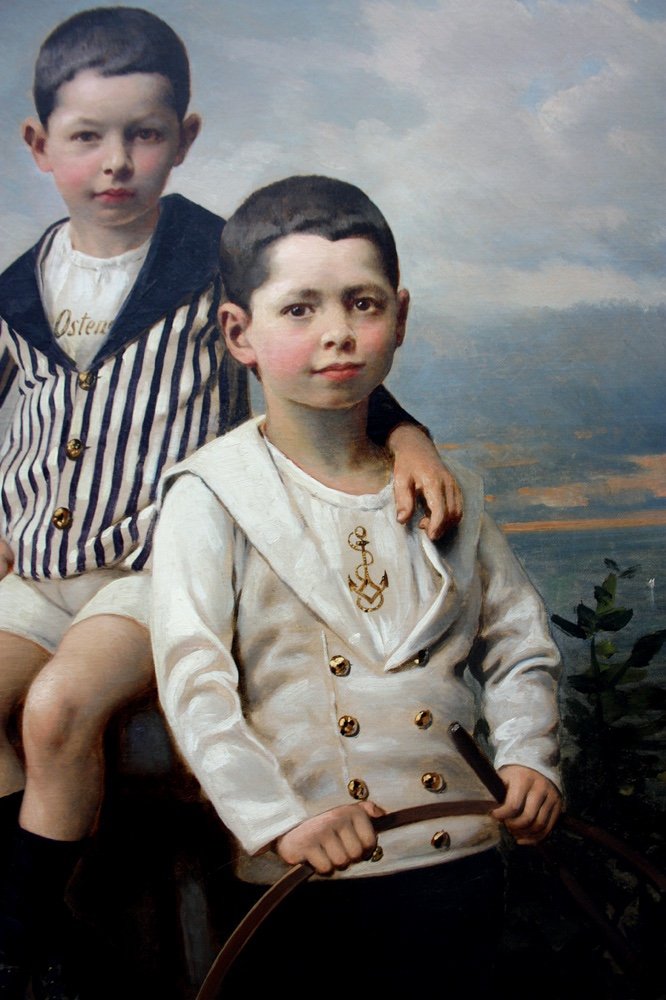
85, 450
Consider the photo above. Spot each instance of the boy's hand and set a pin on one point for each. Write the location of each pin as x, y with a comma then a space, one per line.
333, 840
6, 559
532, 804
419, 469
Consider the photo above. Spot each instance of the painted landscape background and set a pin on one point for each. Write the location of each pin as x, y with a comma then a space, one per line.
517, 148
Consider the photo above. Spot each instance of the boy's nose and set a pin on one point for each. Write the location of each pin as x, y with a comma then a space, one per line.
339, 333
117, 159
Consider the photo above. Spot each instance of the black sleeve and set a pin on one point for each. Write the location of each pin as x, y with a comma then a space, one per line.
385, 413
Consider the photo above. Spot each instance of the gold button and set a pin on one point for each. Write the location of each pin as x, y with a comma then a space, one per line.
433, 782
74, 448
62, 518
86, 380
358, 789
348, 725
339, 665
423, 719
377, 854
441, 840
421, 658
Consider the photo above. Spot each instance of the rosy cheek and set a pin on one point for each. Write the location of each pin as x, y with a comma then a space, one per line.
73, 176
290, 358
151, 161
375, 336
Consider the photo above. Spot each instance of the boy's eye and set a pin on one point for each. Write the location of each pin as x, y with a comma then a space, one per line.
148, 134
85, 136
365, 304
298, 310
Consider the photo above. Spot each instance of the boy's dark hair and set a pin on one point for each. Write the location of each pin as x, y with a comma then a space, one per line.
319, 206
114, 41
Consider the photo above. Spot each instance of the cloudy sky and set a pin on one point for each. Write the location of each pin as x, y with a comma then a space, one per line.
517, 149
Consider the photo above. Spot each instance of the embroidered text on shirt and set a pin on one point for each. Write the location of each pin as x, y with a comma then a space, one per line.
68, 325
370, 594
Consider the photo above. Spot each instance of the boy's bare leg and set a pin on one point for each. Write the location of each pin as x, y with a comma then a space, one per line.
20, 661
101, 664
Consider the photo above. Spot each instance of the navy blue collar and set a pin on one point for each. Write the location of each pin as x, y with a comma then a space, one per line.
182, 261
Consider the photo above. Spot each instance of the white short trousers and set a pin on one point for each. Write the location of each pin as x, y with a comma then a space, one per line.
43, 610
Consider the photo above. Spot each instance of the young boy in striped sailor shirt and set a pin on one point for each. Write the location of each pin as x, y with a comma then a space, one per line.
109, 337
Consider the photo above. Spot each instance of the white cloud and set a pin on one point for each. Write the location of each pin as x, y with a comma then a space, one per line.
517, 149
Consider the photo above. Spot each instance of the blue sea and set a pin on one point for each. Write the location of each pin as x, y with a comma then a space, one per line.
566, 566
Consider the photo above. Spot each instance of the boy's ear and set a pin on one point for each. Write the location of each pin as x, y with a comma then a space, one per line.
34, 136
401, 319
189, 130
234, 323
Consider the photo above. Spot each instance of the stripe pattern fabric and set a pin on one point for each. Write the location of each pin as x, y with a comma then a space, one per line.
84, 453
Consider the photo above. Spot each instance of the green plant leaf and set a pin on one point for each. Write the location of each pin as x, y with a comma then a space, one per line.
627, 574
604, 598
642, 653
607, 590
606, 648
646, 647
613, 621
587, 617
569, 627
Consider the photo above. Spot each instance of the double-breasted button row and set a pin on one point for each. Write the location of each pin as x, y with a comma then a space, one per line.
61, 518
340, 666
441, 841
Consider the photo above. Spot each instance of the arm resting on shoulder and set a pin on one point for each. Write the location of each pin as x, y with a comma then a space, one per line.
418, 468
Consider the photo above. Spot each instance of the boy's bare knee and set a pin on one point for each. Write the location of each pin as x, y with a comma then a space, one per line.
56, 716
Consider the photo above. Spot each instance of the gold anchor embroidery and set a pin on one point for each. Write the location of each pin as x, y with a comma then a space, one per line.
370, 594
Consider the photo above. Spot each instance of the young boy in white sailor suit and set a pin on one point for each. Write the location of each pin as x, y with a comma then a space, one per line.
309, 662
109, 338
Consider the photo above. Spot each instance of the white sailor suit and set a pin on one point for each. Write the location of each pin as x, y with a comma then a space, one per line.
281, 717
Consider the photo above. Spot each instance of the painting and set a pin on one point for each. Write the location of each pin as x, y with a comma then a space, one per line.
517, 149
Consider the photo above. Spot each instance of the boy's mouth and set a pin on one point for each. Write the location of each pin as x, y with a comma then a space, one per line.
340, 372
115, 195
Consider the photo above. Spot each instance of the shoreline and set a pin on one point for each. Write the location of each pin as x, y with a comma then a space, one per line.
639, 519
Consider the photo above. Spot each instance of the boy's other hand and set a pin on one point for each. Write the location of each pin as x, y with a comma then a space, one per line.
332, 840
6, 558
532, 804
418, 470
